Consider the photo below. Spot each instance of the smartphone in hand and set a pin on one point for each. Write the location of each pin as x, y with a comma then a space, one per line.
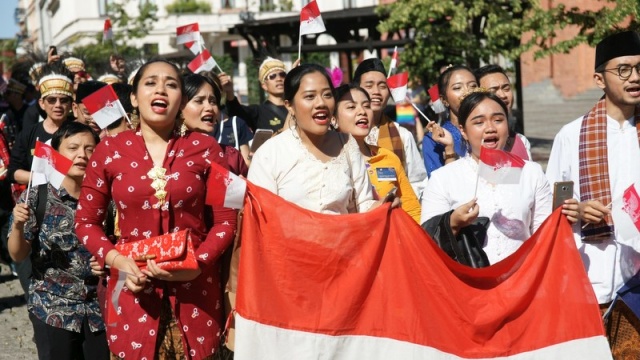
259, 138
53, 50
562, 191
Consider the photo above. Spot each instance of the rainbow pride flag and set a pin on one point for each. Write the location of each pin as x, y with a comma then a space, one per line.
405, 114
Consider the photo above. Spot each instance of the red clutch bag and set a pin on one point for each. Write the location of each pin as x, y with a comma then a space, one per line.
173, 251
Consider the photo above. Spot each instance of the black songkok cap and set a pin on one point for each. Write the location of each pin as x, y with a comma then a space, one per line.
617, 45
373, 64
87, 88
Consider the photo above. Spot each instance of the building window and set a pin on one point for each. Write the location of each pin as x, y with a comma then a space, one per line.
348, 4
267, 5
228, 4
103, 7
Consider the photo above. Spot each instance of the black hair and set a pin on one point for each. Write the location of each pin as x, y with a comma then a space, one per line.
294, 77
487, 70
124, 95
71, 128
472, 100
445, 76
344, 89
143, 68
193, 83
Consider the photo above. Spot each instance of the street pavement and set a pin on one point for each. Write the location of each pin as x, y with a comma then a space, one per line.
545, 112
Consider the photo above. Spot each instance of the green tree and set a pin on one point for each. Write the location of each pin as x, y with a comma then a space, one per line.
470, 31
125, 27
189, 7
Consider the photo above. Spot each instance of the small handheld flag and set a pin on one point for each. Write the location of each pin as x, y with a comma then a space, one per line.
224, 188
398, 86
187, 33
203, 62
107, 33
394, 62
626, 213
310, 22
436, 104
499, 167
53, 165
104, 106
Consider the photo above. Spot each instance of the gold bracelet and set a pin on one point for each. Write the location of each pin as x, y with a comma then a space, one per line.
114, 259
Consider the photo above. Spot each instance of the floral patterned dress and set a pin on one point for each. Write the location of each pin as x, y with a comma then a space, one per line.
118, 170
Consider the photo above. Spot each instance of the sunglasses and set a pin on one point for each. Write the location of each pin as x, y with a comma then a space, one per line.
273, 76
53, 100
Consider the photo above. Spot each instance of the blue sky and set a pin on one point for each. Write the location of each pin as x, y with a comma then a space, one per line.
8, 27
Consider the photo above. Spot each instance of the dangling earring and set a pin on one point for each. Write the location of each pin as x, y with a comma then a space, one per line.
183, 129
135, 120
334, 123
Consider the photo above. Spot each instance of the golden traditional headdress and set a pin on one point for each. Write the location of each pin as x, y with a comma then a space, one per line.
73, 64
109, 79
55, 84
268, 66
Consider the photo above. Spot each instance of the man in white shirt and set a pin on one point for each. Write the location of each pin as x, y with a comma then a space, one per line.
371, 76
598, 152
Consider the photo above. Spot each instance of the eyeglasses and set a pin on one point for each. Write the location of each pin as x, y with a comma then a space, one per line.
273, 76
53, 100
624, 71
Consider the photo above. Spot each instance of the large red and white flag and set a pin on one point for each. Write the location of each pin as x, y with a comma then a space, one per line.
187, 33
499, 167
104, 106
311, 287
107, 32
51, 164
626, 213
311, 19
202, 62
398, 86
436, 103
225, 189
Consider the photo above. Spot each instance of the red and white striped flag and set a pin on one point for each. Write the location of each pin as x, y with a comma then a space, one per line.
398, 86
107, 32
202, 62
225, 189
195, 46
311, 19
626, 213
311, 287
187, 33
499, 167
51, 164
436, 104
104, 106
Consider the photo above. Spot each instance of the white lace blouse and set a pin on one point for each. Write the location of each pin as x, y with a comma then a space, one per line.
284, 166
516, 210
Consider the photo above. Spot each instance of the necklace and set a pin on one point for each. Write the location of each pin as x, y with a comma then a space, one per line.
159, 182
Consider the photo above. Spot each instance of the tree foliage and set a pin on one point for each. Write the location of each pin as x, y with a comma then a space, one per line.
470, 31
189, 7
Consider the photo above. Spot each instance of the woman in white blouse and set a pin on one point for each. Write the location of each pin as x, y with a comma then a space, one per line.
317, 169
515, 210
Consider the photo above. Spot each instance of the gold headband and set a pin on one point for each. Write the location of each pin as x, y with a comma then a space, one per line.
55, 84
74, 64
109, 79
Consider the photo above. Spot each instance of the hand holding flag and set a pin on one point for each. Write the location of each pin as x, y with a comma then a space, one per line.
104, 106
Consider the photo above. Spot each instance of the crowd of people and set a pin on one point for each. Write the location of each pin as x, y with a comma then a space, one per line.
334, 150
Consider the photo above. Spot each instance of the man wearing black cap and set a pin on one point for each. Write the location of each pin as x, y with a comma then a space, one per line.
371, 76
599, 152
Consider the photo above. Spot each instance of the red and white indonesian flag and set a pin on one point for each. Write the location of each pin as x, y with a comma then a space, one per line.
202, 62
398, 86
104, 106
187, 33
107, 32
195, 46
51, 164
499, 167
436, 103
225, 188
626, 213
311, 19
375, 286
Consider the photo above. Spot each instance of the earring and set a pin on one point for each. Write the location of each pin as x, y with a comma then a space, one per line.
183, 129
135, 120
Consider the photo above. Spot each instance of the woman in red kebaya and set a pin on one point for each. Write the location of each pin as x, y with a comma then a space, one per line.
157, 179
